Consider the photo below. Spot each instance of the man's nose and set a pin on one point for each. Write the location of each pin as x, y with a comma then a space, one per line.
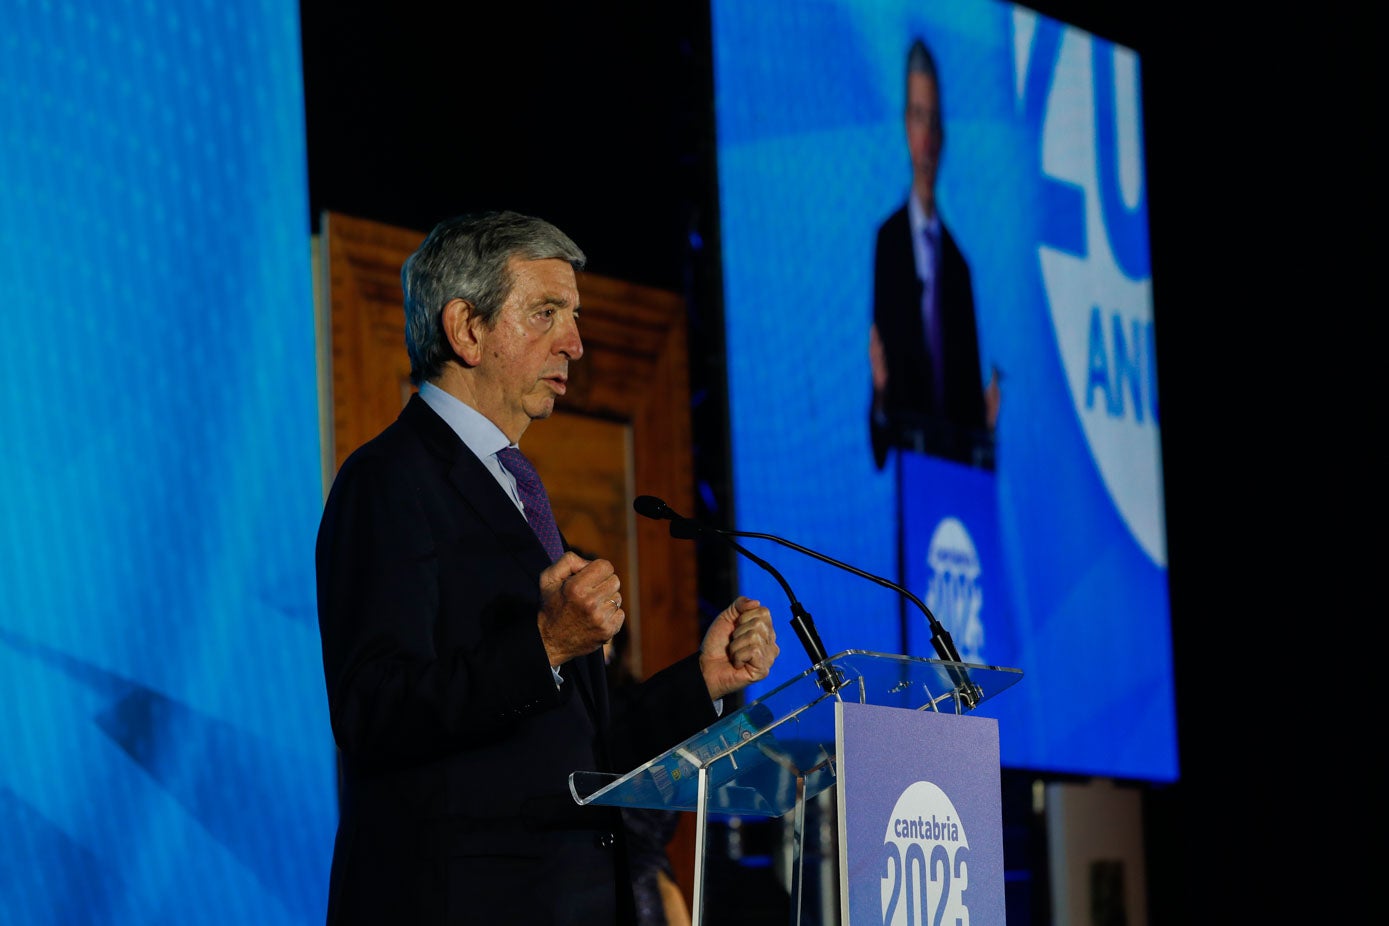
569, 343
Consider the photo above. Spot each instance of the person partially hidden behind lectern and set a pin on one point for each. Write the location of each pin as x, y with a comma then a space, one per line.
923, 345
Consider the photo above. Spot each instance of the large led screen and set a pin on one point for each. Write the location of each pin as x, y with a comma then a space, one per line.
1037, 537
165, 753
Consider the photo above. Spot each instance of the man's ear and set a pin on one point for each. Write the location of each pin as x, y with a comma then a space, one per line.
463, 328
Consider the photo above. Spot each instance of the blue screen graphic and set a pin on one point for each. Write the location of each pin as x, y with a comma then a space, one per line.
1055, 560
165, 755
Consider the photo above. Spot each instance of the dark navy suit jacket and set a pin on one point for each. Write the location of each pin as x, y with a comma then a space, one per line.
909, 400
455, 745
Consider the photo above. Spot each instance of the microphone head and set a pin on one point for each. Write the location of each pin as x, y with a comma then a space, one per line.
649, 506
685, 528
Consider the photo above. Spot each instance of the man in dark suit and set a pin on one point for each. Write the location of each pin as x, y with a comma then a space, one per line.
463, 660
928, 390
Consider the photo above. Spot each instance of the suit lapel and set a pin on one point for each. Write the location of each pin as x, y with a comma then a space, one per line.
476, 485
480, 491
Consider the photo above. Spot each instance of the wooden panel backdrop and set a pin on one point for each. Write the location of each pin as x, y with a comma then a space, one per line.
622, 429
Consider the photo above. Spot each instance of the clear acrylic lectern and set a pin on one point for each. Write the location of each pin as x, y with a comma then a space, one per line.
771, 756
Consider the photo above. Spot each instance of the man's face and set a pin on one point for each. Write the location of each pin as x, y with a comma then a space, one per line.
924, 135
524, 363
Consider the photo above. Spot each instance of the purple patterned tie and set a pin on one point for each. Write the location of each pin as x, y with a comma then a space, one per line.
533, 496
930, 304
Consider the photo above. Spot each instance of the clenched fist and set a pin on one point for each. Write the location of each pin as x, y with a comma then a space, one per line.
580, 607
739, 647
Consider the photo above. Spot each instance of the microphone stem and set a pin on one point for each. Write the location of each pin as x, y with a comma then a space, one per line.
830, 679
801, 622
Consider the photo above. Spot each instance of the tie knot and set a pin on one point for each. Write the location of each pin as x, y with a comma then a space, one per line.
516, 463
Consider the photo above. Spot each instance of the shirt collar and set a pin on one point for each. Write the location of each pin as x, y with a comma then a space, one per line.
920, 223
475, 429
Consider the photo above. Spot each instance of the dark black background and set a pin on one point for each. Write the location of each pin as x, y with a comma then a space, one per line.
598, 116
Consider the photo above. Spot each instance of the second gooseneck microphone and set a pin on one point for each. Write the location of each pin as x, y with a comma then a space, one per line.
683, 528
686, 528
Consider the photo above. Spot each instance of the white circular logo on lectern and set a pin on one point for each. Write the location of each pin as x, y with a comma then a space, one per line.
925, 869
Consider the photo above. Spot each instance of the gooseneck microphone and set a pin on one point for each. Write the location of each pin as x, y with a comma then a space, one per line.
685, 528
682, 528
